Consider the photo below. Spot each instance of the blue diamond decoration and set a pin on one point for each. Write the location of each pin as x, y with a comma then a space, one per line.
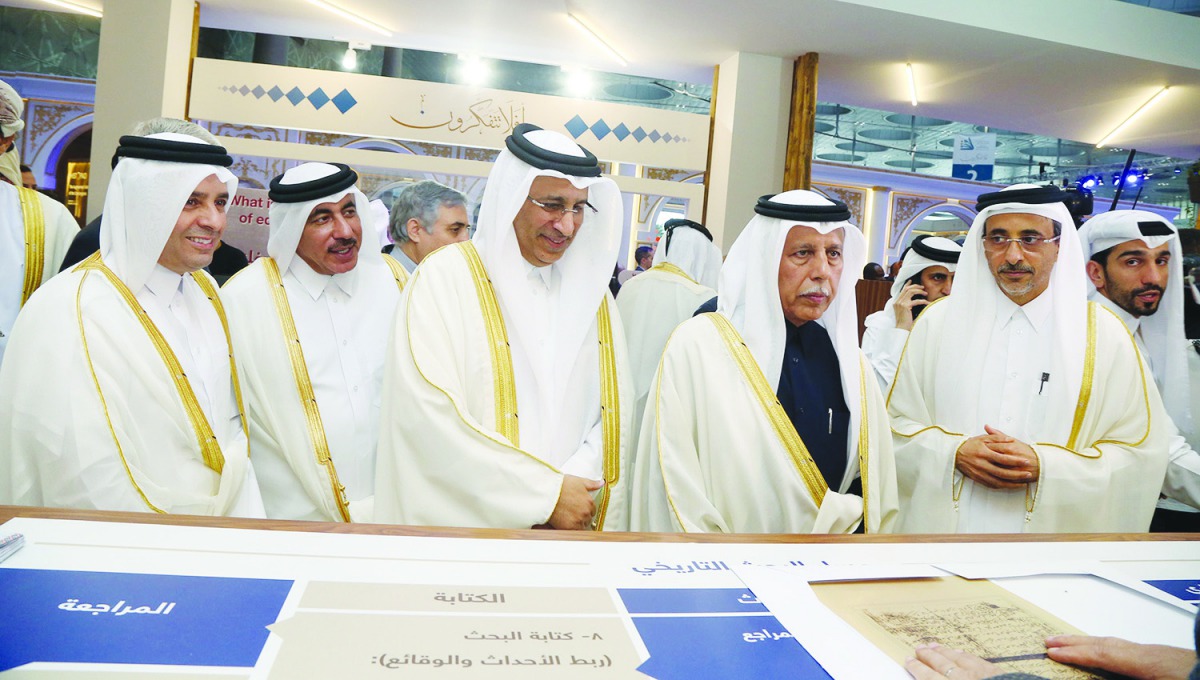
666, 137
639, 134
232, 88
654, 136
258, 92
620, 132
344, 101
601, 129
318, 98
576, 126
677, 138
275, 93
243, 90
295, 96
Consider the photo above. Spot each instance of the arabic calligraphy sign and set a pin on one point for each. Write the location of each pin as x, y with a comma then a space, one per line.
376, 106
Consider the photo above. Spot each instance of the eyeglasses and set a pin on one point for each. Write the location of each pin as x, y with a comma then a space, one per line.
560, 209
1028, 243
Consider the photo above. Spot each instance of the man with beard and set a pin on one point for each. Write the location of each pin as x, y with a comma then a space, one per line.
1136, 270
1018, 406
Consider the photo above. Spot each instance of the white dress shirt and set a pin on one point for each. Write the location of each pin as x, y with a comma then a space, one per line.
344, 340
565, 430
1019, 355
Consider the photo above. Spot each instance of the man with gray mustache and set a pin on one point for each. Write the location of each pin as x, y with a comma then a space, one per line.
1019, 406
764, 416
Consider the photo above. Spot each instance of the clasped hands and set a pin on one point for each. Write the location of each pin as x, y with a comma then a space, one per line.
997, 460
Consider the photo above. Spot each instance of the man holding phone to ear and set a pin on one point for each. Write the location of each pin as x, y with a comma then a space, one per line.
926, 276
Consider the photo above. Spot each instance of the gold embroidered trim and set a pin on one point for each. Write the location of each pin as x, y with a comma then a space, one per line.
308, 398
505, 386
610, 412
210, 449
1089, 368
87, 356
673, 269
864, 433
398, 271
35, 240
801, 458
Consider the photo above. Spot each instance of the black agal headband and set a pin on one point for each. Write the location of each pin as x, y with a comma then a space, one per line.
929, 252
171, 151
543, 159
677, 223
311, 190
1035, 196
838, 212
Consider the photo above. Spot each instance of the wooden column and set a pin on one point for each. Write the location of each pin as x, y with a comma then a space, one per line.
797, 171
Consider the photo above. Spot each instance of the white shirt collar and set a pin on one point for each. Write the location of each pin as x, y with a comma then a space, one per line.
1037, 310
164, 283
315, 284
544, 275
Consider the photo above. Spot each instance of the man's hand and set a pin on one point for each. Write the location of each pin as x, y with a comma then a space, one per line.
997, 461
935, 662
904, 304
1141, 662
575, 505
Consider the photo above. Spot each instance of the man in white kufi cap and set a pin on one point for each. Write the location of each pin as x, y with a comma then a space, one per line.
310, 325
37, 230
1135, 269
1019, 406
120, 389
506, 395
926, 276
652, 304
764, 416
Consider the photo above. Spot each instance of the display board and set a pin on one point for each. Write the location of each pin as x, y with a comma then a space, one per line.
84, 599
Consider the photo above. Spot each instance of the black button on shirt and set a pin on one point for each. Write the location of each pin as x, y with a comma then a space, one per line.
810, 390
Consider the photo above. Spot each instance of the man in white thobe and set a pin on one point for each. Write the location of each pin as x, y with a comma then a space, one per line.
926, 276
310, 325
764, 416
36, 231
425, 216
1135, 269
120, 391
652, 304
1019, 406
506, 392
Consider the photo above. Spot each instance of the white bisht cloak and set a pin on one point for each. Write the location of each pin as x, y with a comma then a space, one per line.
90, 417
1103, 452
717, 452
654, 302
443, 458
296, 481
454, 448
38, 231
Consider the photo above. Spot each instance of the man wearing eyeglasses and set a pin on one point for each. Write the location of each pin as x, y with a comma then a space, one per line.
1019, 406
507, 372
1135, 269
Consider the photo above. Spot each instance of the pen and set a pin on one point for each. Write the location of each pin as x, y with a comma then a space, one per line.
830, 421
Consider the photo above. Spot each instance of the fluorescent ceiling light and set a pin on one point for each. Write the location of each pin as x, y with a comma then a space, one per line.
912, 84
346, 14
1141, 109
597, 38
82, 9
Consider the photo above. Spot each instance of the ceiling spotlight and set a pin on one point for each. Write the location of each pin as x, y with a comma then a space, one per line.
473, 71
350, 59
